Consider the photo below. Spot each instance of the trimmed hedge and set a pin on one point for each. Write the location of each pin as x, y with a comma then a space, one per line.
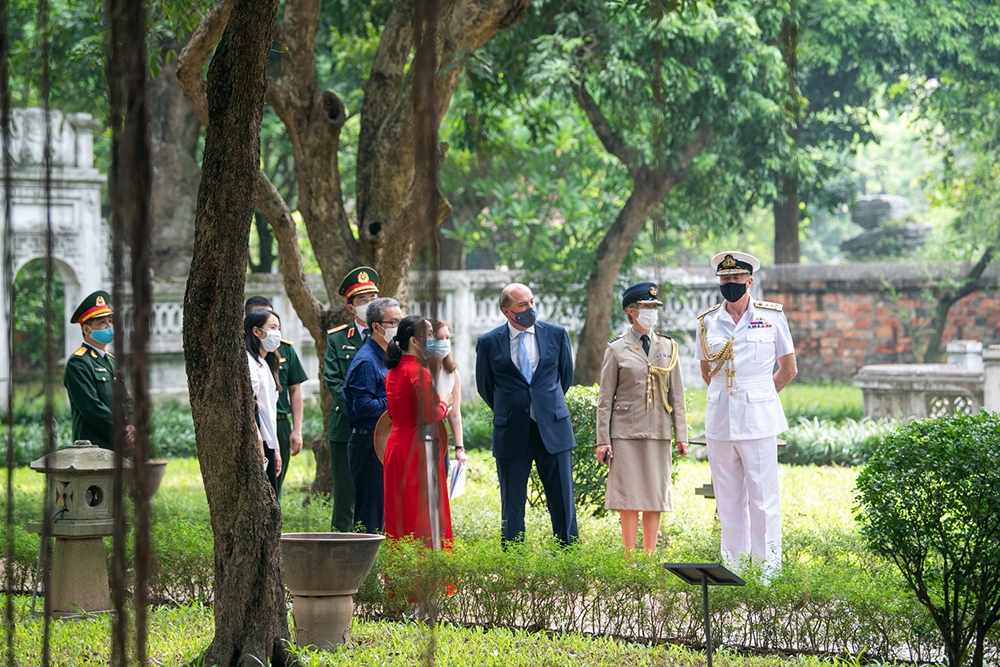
842, 608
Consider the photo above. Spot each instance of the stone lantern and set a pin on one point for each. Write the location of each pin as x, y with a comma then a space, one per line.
82, 486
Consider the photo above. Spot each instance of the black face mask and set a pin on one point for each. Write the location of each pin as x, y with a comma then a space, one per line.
526, 318
733, 291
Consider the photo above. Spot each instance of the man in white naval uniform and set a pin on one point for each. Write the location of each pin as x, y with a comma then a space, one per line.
739, 343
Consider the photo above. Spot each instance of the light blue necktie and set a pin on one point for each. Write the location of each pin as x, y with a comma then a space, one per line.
522, 357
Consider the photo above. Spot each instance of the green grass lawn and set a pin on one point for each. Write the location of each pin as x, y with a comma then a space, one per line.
818, 528
816, 503
176, 634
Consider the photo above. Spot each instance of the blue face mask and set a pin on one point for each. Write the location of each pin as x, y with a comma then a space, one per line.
526, 318
442, 348
103, 336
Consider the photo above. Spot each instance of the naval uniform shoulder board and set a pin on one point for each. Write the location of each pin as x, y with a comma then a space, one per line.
715, 307
287, 342
662, 335
614, 339
82, 351
336, 329
769, 305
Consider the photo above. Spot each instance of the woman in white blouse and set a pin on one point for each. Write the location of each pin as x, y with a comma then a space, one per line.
262, 333
448, 383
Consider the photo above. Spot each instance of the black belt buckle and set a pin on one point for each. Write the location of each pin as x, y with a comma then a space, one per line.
363, 431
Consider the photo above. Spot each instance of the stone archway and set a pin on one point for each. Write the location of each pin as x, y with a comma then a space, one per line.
80, 236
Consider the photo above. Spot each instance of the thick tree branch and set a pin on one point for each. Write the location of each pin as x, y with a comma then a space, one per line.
199, 49
932, 353
191, 62
613, 143
386, 143
650, 187
272, 205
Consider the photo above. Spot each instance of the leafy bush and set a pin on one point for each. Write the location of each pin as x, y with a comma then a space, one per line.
929, 500
477, 425
824, 442
173, 431
590, 476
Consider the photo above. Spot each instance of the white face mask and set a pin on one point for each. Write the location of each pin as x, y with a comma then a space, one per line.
273, 340
647, 318
390, 333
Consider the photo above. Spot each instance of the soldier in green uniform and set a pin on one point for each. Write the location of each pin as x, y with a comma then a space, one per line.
291, 375
359, 287
91, 372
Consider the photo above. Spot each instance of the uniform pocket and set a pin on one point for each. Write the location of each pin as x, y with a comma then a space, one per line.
104, 388
715, 343
760, 395
762, 343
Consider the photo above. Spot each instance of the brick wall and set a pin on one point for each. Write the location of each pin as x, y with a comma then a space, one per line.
847, 315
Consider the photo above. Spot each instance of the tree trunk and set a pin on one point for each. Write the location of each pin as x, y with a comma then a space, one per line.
786, 207
266, 250
601, 284
786, 222
932, 353
250, 615
650, 187
174, 130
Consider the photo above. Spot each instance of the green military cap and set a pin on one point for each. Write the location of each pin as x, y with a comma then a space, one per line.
97, 304
362, 280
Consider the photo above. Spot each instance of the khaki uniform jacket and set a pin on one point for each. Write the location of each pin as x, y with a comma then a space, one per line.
622, 408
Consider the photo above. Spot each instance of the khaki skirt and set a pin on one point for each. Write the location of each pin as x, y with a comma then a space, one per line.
639, 476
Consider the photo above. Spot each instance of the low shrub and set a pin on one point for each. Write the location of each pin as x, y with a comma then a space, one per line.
590, 476
825, 442
477, 425
173, 431
929, 501
824, 401
841, 608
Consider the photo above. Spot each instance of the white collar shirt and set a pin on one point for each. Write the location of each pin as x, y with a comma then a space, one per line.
530, 343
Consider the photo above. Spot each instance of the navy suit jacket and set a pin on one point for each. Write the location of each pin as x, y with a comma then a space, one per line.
509, 395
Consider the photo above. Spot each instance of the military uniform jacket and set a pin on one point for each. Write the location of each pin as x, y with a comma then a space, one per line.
628, 406
749, 408
290, 373
342, 345
89, 380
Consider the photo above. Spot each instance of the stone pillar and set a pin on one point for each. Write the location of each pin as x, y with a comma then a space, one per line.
79, 235
991, 378
967, 354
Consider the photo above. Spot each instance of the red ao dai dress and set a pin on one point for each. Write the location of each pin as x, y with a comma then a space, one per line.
411, 402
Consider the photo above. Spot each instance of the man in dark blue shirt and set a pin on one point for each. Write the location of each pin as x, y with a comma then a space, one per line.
364, 396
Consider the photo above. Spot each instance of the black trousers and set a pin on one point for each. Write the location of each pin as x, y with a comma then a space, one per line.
556, 473
343, 488
369, 484
271, 477
285, 447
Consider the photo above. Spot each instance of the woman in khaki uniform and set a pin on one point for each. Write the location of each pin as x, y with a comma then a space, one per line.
640, 408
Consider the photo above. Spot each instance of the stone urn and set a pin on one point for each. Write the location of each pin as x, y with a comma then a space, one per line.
323, 571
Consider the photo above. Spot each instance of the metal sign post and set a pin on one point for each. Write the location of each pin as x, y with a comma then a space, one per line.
706, 574
433, 487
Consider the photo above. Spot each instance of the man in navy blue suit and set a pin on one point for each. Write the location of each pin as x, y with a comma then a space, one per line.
523, 369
